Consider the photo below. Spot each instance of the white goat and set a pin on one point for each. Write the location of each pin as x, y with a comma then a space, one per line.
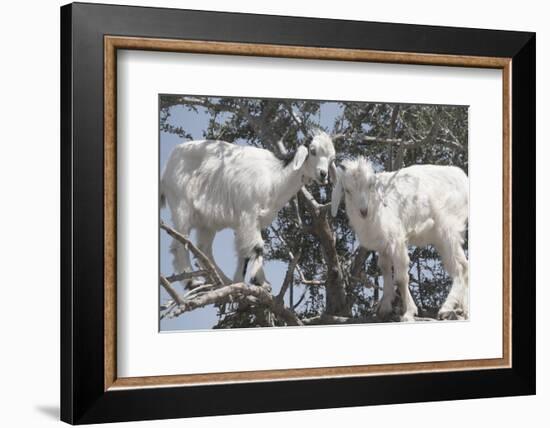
419, 205
213, 185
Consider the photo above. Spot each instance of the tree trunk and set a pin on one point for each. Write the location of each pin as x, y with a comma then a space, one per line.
334, 287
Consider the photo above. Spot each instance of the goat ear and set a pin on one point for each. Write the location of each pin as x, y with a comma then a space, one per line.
336, 198
300, 157
333, 172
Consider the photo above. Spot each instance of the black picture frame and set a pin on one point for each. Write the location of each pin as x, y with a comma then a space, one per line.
83, 398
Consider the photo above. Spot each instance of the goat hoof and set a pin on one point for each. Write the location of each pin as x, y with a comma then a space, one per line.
191, 284
258, 282
447, 315
407, 318
461, 314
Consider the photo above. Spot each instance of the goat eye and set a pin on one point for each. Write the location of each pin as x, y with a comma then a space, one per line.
312, 151
347, 191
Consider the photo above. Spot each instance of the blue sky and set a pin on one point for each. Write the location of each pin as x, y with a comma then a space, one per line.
195, 123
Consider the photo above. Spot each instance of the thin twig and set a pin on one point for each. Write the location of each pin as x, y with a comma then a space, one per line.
297, 267
306, 281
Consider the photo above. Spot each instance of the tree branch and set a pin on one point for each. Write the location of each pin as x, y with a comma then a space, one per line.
326, 319
239, 289
303, 279
312, 204
336, 300
203, 259
297, 209
297, 120
359, 262
260, 124
170, 290
186, 275
333, 319
306, 281
289, 277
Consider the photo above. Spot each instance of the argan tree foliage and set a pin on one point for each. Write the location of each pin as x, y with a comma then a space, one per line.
329, 279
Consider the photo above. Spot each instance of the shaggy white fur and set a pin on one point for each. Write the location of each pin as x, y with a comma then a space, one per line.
213, 185
419, 205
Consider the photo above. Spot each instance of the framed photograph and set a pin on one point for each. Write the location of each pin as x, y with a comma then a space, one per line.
266, 213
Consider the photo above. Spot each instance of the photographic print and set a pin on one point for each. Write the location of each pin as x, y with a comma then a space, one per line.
294, 192
284, 212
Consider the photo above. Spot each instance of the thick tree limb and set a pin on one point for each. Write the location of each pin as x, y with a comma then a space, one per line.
325, 319
239, 290
311, 203
186, 275
332, 319
336, 300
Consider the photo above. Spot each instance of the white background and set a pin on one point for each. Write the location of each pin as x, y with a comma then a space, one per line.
29, 222
144, 352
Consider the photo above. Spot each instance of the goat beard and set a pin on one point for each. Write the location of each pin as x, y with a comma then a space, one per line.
322, 182
308, 180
